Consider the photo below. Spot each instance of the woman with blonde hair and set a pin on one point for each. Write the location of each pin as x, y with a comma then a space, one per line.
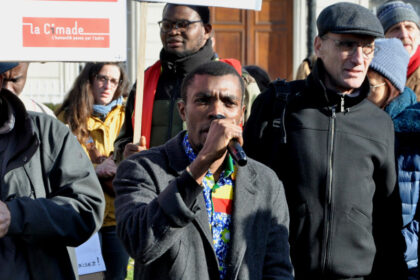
94, 111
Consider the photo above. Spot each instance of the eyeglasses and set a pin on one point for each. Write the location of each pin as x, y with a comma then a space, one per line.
167, 25
348, 47
104, 79
376, 86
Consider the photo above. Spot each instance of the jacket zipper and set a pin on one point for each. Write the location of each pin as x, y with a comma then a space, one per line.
328, 213
171, 110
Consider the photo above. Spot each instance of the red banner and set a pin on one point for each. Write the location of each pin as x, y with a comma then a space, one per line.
66, 32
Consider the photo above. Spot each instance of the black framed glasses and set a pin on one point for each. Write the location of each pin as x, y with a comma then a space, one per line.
102, 79
167, 25
349, 47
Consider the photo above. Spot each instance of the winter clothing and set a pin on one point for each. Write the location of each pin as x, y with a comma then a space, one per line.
394, 12
413, 80
392, 69
405, 112
51, 190
348, 18
339, 174
103, 130
164, 120
163, 222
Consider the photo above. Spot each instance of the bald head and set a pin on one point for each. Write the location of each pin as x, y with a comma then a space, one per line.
15, 79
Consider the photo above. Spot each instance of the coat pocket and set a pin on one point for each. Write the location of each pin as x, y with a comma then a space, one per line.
179, 259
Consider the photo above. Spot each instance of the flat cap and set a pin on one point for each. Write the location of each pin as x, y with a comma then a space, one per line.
348, 18
6, 66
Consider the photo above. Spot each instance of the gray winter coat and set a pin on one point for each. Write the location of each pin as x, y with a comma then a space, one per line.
52, 192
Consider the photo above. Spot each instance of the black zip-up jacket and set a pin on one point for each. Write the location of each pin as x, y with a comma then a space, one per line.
338, 168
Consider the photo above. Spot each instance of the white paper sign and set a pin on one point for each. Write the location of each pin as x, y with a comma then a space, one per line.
64, 30
89, 256
239, 4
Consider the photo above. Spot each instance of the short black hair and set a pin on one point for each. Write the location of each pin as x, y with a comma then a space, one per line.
213, 68
202, 11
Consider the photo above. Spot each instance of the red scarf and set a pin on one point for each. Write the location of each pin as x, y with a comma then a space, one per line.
414, 62
151, 78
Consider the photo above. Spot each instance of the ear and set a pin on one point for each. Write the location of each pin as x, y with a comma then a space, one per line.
243, 116
181, 109
317, 46
207, 30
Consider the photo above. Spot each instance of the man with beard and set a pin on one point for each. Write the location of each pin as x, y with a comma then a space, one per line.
185, 33
401, 21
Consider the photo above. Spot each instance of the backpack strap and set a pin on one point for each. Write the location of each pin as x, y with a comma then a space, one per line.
284, 92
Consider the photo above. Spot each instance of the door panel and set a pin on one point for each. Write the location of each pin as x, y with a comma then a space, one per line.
263, 38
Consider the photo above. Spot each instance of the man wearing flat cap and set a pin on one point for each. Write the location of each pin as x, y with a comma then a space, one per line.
400, 20
334, 151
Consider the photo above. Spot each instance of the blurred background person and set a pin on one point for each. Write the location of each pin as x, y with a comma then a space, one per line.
305, 67
260, 75
94, 111
14, 80
387, 78
400, 20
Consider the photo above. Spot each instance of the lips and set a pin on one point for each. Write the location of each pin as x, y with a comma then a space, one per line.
173, 43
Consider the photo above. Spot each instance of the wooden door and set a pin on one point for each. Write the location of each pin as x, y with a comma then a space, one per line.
263, 38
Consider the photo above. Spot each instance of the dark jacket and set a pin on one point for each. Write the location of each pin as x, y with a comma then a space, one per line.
166, 121
405, 112
52, 192
338, 168
163, 221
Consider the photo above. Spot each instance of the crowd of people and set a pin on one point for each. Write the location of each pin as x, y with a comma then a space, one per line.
329, 189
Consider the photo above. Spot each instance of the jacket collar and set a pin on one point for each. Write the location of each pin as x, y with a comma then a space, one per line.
321, 95
24, 131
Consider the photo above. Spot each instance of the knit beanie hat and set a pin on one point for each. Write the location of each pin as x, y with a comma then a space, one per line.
202, 11
394, 12
391, 61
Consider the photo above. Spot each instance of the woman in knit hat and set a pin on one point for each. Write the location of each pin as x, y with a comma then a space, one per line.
387, 77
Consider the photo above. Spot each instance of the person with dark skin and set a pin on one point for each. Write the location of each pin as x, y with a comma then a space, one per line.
185, 33
14, 80
183, 208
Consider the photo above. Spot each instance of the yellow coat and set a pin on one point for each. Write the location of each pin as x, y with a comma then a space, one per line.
103, 134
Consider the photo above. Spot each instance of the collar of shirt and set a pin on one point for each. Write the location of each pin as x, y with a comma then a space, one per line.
229, 163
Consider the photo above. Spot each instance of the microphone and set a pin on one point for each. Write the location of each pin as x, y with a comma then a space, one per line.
234, 148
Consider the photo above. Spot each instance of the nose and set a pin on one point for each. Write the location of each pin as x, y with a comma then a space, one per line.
175, 30
403, 33
216, 110
358, 56
7, 85
107, 84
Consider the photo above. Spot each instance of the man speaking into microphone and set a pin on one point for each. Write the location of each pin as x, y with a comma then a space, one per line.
187, 210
